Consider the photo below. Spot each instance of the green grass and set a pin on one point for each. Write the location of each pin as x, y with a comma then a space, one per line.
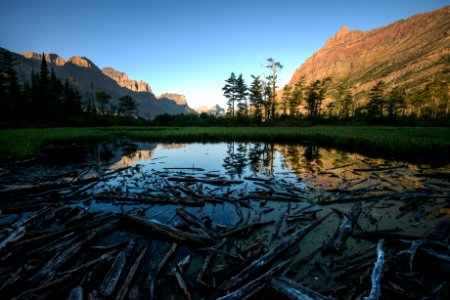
380, 140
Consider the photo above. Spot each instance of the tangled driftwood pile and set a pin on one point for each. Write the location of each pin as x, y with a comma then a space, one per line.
184, 232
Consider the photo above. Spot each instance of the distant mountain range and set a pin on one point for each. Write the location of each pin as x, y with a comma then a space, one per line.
83, 74
407, 52
215, 110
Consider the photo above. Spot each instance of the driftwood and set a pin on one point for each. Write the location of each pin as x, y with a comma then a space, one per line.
112, 277
168, 232
256, 285
128, 280
16, 235
246, 228
377, 273
76, 294
166, 259
192, 219
177, 271
265, 260
292, 290
205, 266
337, 241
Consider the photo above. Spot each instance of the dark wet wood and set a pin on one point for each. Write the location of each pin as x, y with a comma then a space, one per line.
292, 290
165, 232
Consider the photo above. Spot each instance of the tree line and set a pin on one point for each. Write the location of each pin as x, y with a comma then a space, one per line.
260, 103
259, 100
46, 99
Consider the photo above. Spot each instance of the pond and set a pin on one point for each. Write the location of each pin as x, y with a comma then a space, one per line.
195, 215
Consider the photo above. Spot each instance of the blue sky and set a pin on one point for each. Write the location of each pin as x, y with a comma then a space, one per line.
191, 46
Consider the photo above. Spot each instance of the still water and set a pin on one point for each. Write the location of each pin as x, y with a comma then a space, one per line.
235, 184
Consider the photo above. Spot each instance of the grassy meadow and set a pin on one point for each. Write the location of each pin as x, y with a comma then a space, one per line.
380, 140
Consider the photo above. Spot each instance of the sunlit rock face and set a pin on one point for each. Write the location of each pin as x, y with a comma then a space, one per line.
123, 80
177, 98
406, 52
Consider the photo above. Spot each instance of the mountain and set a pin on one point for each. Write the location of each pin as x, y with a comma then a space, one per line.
83, 74
407, 52
212, 110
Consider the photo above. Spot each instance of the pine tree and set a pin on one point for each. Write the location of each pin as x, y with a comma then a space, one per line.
229, 91
103, 100
296, 96
10, 93
285, 99
376, 103
256, 96
315, 94
241, 95
127, 105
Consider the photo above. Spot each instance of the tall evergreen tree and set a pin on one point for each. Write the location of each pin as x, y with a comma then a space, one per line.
396, 101
285, 99
127, 105
102, 100
10, 93
229, 91
315, 94
375, 105
241, 95
256, 96
296, 96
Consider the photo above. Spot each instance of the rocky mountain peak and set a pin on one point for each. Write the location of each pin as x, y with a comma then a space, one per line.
81, 62
405, 52
124, 81
338, 36
177, 98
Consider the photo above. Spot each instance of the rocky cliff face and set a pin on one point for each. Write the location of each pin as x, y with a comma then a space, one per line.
177, 98
123, 80
83, 73
406, 52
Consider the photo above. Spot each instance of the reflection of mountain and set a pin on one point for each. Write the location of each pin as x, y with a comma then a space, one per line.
123, 154
128, 159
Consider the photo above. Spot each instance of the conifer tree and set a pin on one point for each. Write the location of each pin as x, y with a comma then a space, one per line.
256, 97
241, 95
229, 91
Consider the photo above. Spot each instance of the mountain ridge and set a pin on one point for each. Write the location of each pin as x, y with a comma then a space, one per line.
88, 78
406, 52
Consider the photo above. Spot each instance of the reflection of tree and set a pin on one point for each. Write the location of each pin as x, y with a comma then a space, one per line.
236, 159
313, 162
300, 158
129, 150
261, 157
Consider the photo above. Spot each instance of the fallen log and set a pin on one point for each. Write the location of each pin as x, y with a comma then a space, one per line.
167, 232
205, 266
166, 259
16, 235
256, 285
377, 273
192, 219
337, 243
246, 228
76, 294
129, 279
112, 277
261, 263
292, 290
